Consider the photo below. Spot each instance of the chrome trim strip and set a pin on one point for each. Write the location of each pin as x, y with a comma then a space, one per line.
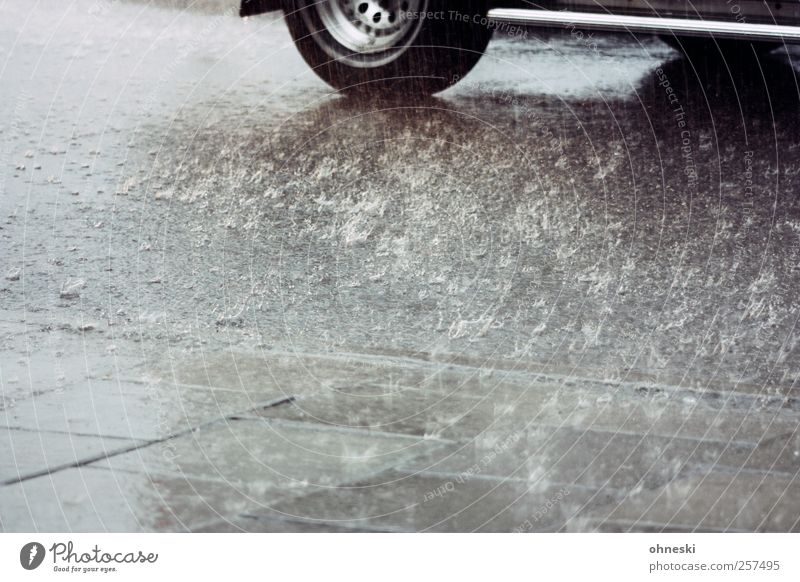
647, 24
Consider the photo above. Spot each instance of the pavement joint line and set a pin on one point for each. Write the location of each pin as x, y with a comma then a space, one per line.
335, 389
140, 382
344, 429
778, 438
264, 406
76, 464
166, 474
140, 445
614, 491
583, 429
723, 469
12, 402
650, 434
560, 380
73, 433
743, 400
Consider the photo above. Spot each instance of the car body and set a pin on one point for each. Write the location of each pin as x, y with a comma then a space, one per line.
427, 45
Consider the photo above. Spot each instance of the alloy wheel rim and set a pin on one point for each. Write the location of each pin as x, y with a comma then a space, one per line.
370, 26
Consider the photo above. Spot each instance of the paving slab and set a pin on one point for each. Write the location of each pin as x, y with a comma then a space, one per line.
587, 458
399, 501
509, 408
43, 356
712, 501
130, 409
281, 458
307, 368
778, 455
617, 413
24, 453
89, 499
292, 373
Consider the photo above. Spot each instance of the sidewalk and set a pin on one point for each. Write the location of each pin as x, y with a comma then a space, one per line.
323, 442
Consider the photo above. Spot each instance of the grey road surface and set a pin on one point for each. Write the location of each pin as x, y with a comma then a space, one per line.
560, 296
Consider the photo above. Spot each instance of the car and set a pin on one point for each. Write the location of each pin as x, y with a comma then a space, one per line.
425, 46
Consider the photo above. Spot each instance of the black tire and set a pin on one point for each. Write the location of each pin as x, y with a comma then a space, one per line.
699, 48
425, 56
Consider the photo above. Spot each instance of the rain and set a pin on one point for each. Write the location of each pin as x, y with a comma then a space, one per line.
558, 296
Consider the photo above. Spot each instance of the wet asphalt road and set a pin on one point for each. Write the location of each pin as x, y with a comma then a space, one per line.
583, 258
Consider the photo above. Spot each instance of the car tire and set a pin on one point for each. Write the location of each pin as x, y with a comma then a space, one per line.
386, 45
700, 48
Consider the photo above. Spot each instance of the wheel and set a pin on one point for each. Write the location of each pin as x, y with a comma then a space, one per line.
391, 46
700, 48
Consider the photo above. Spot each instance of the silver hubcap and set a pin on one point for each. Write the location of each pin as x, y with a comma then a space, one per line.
367, 26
